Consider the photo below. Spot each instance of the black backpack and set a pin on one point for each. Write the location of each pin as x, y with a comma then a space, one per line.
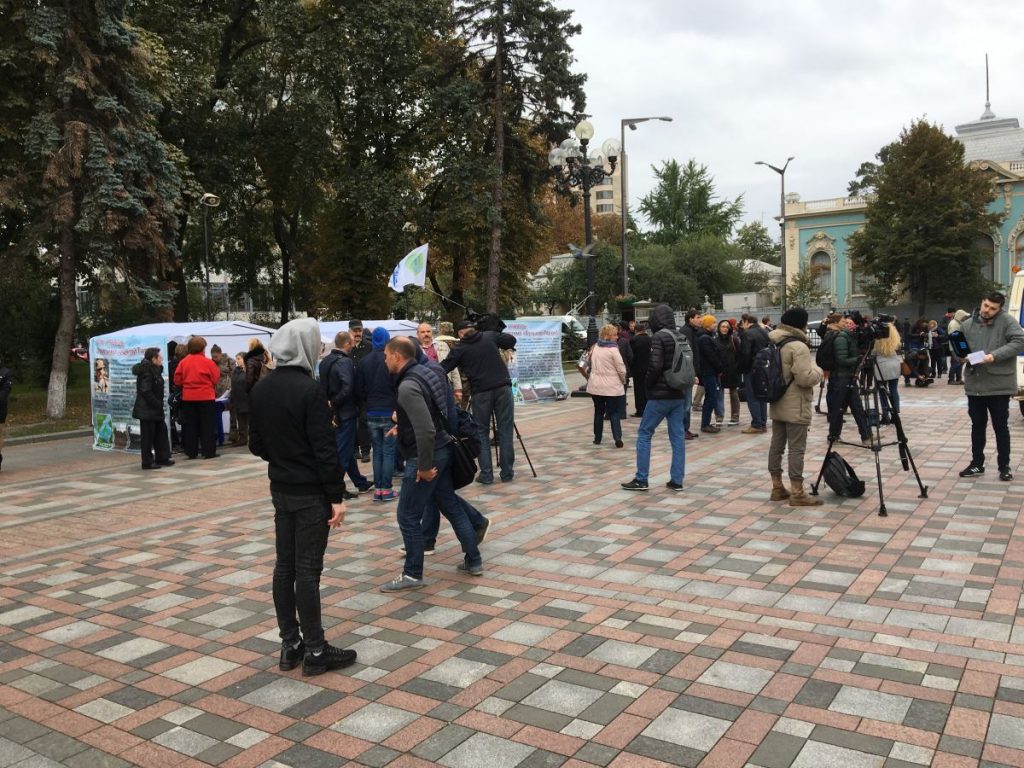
840, 477
825, 357
766, 379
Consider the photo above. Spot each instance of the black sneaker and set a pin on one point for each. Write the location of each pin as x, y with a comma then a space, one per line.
328, 658
672, 486
347, 495
1005, 474
291, 655
972, 471
635, 485
472, 570
481, 532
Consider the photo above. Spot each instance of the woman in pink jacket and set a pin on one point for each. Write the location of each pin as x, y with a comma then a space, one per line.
607, 384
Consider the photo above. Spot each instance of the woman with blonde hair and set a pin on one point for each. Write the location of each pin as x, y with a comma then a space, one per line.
607, 383
888, 364
257, 361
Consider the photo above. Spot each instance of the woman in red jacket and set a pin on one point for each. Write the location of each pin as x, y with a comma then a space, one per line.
197, 375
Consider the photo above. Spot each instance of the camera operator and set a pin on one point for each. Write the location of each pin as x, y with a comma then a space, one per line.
842, 389
478, 358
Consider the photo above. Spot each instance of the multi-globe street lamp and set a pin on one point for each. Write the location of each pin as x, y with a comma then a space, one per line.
574, 168
631, 123
782, 224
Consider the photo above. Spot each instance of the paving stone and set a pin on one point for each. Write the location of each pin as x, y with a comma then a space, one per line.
301, 756
280, 694
374, 722
687, 729
458, 672
185, 741
817, 755
871, 704
484, 749
1006, 731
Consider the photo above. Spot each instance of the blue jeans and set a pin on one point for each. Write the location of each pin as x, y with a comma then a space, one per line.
383, 450
345, 440
712, 400
688, 401
431, 521
758, 410
889, 395
418, 497
300, 526
497, 402
220, 421
672, 411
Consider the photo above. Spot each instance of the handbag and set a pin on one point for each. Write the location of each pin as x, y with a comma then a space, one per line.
463, 464
583, 366
905, 368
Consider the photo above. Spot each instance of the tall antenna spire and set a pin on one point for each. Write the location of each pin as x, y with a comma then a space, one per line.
988, 114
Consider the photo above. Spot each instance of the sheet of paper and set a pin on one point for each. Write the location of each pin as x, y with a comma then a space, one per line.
974, 358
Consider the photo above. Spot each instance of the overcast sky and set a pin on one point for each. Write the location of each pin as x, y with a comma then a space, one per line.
827, 82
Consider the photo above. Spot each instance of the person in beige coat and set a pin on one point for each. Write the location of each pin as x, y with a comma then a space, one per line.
791, 414
606, 384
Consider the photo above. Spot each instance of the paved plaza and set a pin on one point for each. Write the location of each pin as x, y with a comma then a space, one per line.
705, 628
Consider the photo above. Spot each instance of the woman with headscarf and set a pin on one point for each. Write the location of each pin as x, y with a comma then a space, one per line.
727, 346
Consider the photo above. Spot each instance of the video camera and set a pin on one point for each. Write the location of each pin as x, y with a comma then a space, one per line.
485, 321
867, 331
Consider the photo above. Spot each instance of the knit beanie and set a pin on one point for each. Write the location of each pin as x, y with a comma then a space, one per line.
380, 337
708, 322
795, 318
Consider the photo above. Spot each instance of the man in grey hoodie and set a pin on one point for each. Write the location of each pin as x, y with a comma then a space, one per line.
290, 428
990, 383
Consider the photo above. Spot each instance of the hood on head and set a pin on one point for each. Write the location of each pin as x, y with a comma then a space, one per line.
662, 316
380, 337
960, 315
297, 343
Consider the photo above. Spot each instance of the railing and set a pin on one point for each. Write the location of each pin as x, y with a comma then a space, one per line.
1017, 165
831, 204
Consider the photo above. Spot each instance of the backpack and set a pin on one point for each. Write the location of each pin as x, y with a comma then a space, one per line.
840, 477
680, 374
825, 357
766, 380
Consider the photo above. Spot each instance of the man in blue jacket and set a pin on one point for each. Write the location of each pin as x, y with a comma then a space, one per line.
376, 391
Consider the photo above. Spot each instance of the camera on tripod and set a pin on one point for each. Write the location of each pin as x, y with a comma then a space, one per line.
867, 331
485, 321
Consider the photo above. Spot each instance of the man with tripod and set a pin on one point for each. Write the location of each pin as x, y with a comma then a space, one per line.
478, 359
842, 388
991, 382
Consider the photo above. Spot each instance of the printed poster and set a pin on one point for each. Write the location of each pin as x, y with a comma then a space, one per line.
536, 366
113, 389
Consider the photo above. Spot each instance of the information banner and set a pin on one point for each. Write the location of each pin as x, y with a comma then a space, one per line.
536, 367
113, 389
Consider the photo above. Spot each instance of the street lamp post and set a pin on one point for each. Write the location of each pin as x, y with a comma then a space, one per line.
631, 122
782, 224
575, 169
207, 201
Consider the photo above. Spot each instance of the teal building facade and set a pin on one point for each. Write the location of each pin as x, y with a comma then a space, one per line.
817, 231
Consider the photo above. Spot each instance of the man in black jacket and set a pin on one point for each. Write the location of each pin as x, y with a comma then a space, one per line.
478, 360
663, 403
361, 347
690, 331
640, 345
338, 382
291, 430
149, 410
753, 338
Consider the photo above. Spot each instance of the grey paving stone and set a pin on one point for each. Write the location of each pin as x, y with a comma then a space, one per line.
378, 756
39, 761
185, 741
871, 704
717, 709
375, 722
484, 749
1006, 731
301, 756
430, 689
595, 753
541, 718
622, 654
312, 704
818, 755
447, 712
12, 752
281, 694
561, 697
736, 677
927, 715
777, 750
132, 650
583, 645
458, 672
54, 745
850, 740
524, 633
958, 746
216, 727
521, 687
666, 752
606, 708
132, 697
540, 758
687, 729
442, 742
218, 753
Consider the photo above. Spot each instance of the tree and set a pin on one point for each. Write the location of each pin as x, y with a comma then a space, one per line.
684, 272
520, 48
97, 182
752, 241
928, 211
804, 290
684, 204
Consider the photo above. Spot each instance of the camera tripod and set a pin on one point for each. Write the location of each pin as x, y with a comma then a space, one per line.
869, 389
493, 441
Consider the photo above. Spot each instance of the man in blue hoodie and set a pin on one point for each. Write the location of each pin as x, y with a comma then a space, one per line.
375, 389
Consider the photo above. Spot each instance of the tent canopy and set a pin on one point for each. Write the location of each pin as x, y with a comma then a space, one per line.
232, 336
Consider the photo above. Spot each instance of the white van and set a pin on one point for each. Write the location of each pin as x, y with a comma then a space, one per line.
570, 324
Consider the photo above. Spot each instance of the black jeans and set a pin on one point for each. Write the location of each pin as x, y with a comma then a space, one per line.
640, 393
842, 391
199, 427
156, 448
980, 407
614, 406
300, 524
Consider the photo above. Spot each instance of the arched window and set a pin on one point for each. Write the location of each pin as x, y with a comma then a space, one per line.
986, 246
821, 268
1018, 249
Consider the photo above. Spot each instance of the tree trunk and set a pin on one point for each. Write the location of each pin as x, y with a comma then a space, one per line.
923, 296
284, 236
57, 391
178, 276
494, 263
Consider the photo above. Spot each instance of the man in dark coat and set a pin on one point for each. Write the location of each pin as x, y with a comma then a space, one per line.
753, 338
149, 410
361, 347
691, 329
338, 382
640, 345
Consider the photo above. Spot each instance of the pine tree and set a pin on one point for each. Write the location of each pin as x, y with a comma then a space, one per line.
98, 183
685, 204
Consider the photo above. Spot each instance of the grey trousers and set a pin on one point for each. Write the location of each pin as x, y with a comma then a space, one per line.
795, 436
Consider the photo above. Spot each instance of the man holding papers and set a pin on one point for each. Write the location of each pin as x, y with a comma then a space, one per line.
995, 340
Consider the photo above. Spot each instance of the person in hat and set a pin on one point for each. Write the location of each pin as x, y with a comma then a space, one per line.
791, 414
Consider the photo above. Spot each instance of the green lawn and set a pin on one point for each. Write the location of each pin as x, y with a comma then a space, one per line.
26, 411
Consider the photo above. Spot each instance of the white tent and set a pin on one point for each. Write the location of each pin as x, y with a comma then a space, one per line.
112, 356
330, 328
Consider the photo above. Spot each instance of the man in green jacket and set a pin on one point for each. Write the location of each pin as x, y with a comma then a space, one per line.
991, 382
842, 389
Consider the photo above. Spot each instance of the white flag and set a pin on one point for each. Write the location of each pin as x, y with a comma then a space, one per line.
412, 270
